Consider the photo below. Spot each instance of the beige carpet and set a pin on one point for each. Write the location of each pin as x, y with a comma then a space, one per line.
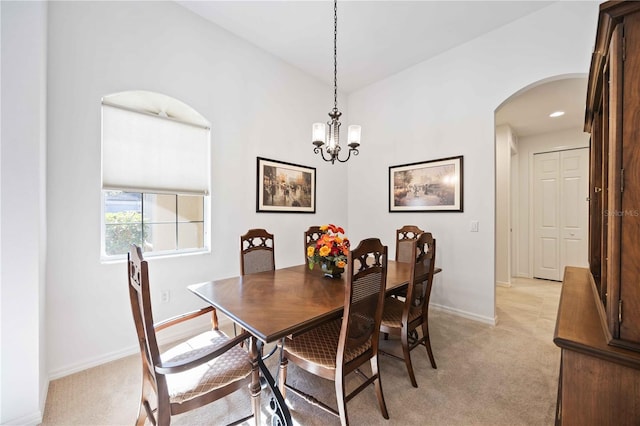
503, 375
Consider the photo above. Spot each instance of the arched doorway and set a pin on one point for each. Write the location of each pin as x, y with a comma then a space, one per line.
524, 128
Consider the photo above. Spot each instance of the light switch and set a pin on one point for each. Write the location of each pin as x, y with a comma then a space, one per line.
474, 226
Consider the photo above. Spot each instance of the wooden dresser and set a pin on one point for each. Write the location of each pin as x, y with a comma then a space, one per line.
599, 383
598, 326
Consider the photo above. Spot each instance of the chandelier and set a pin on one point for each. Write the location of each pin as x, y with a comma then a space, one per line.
328, 135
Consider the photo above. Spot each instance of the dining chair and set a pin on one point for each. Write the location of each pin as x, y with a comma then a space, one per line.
338, 347
311, 236
403, 317
257, 255
404, 236
191, 374
256, 252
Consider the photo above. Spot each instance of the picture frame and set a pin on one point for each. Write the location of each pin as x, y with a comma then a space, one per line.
427, 186
285, 187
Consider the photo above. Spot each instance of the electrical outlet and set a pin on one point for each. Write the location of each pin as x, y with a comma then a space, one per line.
474, 226
165, 296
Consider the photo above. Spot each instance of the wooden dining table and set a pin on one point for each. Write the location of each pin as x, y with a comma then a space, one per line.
274, 304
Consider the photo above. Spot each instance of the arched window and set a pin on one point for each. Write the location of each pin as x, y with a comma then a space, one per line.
155, 174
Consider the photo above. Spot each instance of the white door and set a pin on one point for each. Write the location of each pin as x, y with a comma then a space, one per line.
546, 194
574, 208
560, 211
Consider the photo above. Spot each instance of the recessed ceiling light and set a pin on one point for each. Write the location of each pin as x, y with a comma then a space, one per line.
556, 114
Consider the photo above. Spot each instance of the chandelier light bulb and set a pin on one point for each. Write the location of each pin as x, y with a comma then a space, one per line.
318, 133
354, 133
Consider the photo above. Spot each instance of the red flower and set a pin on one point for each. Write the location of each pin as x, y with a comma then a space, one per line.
331, 247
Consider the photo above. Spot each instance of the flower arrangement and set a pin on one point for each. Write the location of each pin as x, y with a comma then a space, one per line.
330, 250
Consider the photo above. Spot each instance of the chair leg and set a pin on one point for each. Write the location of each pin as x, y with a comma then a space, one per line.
375, 372
427, 343
164, 414
342, 406
145, 411
142, 413
282, 374
407, 357
214, 320
254, 386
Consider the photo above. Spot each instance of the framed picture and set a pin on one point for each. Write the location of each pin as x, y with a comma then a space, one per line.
285, 187
429, 186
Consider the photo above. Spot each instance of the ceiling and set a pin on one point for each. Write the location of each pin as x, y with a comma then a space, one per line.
527, 113
377, 39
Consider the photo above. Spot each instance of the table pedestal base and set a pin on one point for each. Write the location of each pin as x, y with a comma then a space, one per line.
281, 414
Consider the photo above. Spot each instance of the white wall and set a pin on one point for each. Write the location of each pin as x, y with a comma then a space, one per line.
22, 216
515, 209
527, 147
257, 105
445, 107
505, 139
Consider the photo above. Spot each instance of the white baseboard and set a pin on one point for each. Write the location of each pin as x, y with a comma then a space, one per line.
503, 283
33, 419
92, 362
465, 314
43, 397
170, 335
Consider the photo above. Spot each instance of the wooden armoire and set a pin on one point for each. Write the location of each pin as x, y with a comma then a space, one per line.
598, 325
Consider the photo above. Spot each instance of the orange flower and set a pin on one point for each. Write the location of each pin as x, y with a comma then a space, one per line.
331, 248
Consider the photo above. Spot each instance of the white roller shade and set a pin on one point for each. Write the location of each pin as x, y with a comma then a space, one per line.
147, 153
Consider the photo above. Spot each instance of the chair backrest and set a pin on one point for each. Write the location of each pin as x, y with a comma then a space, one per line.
140, 297
311, 236
421, 278
404, 238
364, 297
256, 252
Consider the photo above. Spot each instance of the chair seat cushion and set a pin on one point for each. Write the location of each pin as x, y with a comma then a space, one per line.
229, 367
320, 345
392, 314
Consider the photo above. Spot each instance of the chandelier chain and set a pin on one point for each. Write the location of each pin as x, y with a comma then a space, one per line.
335, 55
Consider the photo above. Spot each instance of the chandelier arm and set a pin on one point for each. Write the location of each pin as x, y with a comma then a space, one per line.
319, 150
351, 150
346, 159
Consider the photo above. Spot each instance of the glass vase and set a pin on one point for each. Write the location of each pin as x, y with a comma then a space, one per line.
330, 270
